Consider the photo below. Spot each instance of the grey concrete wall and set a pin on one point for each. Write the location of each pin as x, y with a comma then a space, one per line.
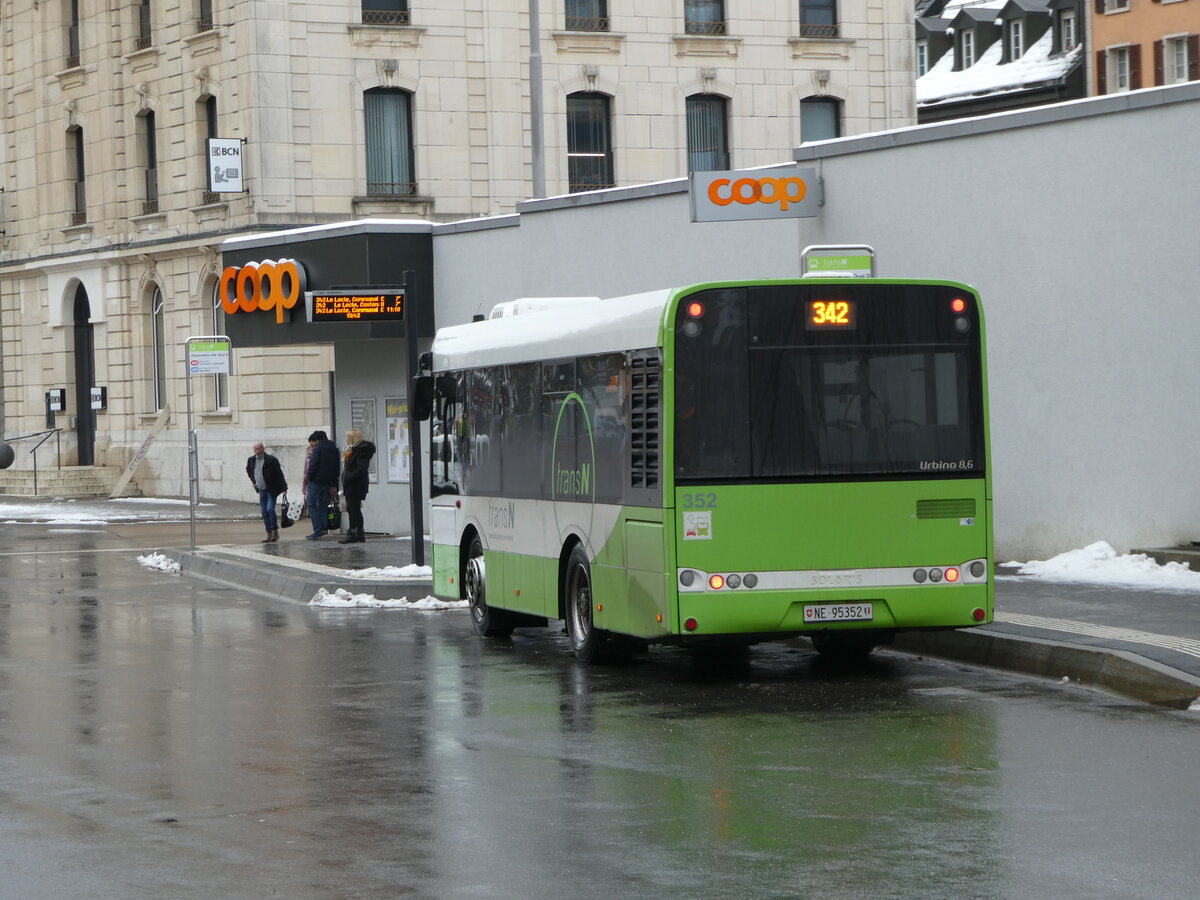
1078, 224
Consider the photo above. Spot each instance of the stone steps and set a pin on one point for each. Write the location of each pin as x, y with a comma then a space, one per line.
72, 482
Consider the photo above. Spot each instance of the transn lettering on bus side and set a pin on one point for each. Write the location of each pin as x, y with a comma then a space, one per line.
574, 481
501, 515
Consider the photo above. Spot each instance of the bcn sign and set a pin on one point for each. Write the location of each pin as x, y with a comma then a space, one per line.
268, 285
786, 193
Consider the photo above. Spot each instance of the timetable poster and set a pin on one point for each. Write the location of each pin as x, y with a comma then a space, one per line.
399, 453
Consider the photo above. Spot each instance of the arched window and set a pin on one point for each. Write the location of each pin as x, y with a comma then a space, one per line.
390, 168
589, 142
158, 348
820, 118
707, 133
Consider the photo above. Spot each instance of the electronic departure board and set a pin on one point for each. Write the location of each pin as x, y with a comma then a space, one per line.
355, 306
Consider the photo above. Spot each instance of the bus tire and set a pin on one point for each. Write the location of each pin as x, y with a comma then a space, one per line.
487, 622
587, 641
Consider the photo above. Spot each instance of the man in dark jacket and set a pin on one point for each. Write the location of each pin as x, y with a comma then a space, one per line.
267, 477
324, 467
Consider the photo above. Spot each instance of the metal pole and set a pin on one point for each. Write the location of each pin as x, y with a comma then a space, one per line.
191, 439
536, 136
414, 427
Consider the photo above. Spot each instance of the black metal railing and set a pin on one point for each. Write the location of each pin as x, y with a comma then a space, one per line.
209, 197
695, 27
819, 31
385, 17
45, 436
391, 188
204, 24
587, 23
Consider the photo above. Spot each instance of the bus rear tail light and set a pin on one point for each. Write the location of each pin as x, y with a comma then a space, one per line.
716, 582
978, 615
691, 624
952, 575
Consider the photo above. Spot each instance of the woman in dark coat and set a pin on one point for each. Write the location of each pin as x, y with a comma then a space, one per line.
355, 464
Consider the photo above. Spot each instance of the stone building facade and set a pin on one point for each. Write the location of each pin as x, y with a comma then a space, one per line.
345, 110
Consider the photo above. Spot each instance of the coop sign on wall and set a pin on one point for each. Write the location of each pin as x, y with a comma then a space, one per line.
269, 285
786, 193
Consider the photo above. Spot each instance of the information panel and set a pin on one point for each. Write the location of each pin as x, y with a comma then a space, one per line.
355, 306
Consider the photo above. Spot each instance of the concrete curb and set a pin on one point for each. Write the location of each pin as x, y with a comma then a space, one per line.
294, 583
1117, 671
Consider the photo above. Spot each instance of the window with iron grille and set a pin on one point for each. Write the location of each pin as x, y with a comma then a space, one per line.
144, 38
707, 133
587, 15
390, 165
150, 150
589, 142
73, 58
79, 213
704, 16
385, 12
204, 16
818, 18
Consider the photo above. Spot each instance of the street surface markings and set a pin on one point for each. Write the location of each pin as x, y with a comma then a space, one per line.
242, 552
1182, 645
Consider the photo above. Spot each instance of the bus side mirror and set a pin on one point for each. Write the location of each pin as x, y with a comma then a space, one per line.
422, 394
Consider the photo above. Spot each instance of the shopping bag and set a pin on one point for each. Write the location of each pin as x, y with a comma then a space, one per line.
335, 514
285, 512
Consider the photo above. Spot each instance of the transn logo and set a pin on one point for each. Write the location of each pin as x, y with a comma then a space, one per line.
783, 191
271, 284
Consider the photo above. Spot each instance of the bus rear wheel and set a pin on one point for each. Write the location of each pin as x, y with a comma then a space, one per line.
487, 622
587, 641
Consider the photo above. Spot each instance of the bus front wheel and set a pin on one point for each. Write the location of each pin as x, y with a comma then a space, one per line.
587, 641
488, 622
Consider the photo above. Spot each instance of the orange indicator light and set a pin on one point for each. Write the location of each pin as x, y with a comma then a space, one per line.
958, 304
716, 582
952, 575
695, 309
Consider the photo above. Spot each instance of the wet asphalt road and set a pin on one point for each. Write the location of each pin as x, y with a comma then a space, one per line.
163, 738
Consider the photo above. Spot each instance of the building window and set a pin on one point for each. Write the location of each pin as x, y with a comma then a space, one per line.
143, 39
72, 34
158, 348
79, 213
818, 18
589, 142
707, 133
1014, 40
390, 163
820, 119
922, 58
385, 12
1110, 6
1068, 30
1119, 69
206, 116
704, 16
587, 15
220, 381
150, 154
204, 16
966, 49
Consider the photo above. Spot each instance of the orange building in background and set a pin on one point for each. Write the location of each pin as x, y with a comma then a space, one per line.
1144, 43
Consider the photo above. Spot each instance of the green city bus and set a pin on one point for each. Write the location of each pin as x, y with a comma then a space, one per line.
726, 462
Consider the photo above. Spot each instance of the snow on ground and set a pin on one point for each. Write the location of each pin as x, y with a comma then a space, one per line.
160, 562
59, 511
343, 599
1099, 563
411, 571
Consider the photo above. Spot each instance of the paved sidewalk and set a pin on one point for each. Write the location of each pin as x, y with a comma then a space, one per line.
1143, 644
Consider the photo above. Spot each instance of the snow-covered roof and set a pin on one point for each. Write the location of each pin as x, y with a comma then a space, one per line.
560, 331
989, 76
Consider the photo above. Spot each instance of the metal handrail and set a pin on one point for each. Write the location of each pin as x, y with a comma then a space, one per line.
45, 436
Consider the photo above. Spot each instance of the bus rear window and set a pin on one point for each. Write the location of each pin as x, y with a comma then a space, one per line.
765, 393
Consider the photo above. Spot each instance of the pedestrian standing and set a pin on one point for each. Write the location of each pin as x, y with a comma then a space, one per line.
324, 467
356, 465
266, 474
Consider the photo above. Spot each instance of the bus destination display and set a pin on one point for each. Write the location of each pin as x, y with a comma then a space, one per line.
351, 306
830, 314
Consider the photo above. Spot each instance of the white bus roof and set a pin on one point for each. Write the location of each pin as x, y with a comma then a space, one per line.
563, 330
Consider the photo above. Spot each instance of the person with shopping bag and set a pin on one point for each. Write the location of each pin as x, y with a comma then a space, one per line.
266, 474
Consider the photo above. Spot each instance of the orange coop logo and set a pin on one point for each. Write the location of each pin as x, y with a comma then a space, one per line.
271, 284
783, 191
